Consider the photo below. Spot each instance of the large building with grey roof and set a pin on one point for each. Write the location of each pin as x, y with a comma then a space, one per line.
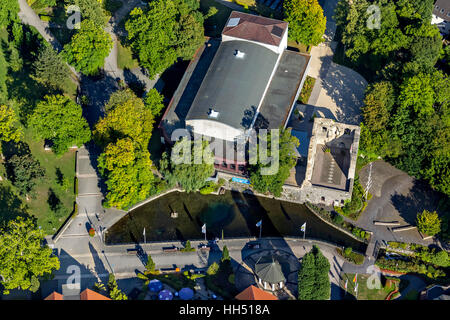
246, 80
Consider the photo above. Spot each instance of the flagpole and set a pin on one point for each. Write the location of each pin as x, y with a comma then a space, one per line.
304, 233
260, 230
145, 239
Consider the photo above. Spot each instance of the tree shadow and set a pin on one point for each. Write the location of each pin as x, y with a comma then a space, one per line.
420, 197
11, 206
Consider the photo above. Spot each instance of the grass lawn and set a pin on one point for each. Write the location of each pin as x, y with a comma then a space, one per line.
125, 58
38, 205
215, 24
364, 293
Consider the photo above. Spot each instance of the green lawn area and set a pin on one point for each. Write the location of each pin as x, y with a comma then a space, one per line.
47, 219
125, 58
46, 190
364, 293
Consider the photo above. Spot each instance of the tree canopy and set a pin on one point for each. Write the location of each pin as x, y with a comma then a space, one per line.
8, 12
51, 70
166, 31
313, 280
10, 128
406, 108
286, 158
88, 48
125, 162
92, 10
59, 119
306, 21
25, 171
189, 165
428, 222
23, 258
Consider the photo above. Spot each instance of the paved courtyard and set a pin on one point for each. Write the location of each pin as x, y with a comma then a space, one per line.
396, 197
337, 88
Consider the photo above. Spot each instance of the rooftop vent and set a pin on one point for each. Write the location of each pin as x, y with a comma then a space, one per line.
233, 22
239, 54
213, 114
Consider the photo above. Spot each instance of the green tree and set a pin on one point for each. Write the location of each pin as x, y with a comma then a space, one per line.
92, 10
59, 119
88, 48
190, 164
154, 101
127, 117
10, 128
286, 158
114, 292
378, 104
225, 254
428, 222
3, 76
50, 70
23, 257
15, 61
313, 280
25, 171
128, 173
167, 30
125, 163
306, 21
150, 266
8, 12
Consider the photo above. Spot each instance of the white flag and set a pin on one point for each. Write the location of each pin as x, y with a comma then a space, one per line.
259, 223
143, 232
356, 287
303, 227
204, 228
346, 281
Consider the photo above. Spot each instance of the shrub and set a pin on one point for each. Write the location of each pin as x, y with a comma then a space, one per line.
213, 269
428, 223
348, 251
338, 219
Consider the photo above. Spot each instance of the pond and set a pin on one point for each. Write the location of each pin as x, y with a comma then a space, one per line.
233, 213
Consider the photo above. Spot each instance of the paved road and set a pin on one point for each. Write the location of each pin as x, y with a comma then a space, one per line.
337, 88
396, 197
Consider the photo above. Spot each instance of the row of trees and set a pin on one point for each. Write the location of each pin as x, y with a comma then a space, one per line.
406, 112
124, 134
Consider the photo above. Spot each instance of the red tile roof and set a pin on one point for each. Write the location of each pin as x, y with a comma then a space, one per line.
55, 296
256, 28
88, 294
254, 293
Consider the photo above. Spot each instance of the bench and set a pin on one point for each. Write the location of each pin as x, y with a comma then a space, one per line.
170, 249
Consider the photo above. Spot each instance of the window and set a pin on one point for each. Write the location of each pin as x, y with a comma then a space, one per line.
224, 164
232, 166
322, 198
241, 167
324, 129
347, 131
442, 10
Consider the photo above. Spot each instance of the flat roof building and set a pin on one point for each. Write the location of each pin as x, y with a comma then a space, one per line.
246, 80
